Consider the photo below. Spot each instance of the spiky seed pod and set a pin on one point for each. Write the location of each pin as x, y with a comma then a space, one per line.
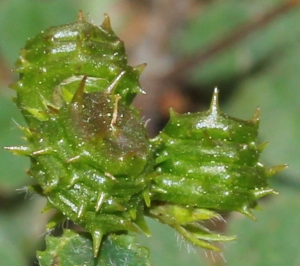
88, 147
92, 159
207, 162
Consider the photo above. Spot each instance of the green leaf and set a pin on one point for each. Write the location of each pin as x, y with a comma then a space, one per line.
224, 19
20, 230
12, 168
30, 17
273, 240
276, 91
77, 250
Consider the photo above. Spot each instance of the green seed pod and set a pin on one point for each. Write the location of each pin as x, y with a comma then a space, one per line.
89, 149
207, 162
91, 156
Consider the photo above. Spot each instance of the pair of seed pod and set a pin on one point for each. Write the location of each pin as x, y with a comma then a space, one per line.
92, 159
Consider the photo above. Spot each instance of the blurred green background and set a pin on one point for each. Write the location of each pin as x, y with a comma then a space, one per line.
248, 49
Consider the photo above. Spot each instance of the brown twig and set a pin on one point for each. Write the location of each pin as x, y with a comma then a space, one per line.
186, 64
5, 73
